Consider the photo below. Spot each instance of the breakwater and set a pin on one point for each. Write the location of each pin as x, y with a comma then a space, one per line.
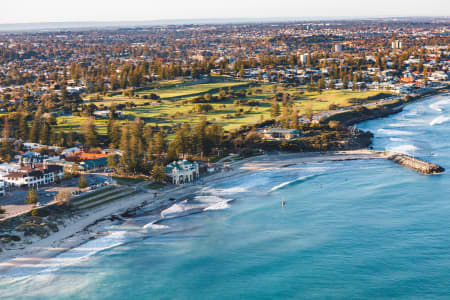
414, 163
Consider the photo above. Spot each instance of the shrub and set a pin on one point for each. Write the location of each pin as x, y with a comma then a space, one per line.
32, 197
82, 183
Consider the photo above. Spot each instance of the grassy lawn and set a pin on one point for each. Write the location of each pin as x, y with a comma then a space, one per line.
128, 180
172, 91
156, 186
175, 110
67, 123
94, 193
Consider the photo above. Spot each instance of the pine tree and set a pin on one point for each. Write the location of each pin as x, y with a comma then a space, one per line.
274, 109
6, 129
90, 133
23, 127
285, 117
112, 161
44, 134
35, 127
294, 118
171, 153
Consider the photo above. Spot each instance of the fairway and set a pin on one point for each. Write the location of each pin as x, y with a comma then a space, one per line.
173, 91
176, 108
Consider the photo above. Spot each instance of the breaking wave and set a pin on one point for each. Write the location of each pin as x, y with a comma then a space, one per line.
405, 149
438, 106
394, 132
293, 182
439, 120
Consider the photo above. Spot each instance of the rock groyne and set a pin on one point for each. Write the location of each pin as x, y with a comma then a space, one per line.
414, 163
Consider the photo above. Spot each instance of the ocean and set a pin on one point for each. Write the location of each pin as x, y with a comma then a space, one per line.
348, 230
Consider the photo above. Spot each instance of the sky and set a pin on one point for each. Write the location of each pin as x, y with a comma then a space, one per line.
30, 11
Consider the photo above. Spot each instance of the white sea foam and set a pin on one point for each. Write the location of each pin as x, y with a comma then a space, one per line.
209, 199
224, 192
298, 180
393, 139
219, 205
154, 226
438, 106
394, 132
405, 149
213, 202
180, 209
439, 120
83, 252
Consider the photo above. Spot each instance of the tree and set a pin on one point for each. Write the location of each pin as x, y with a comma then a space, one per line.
294, 118
67, 176
6, 150
90, 133
274, 109
171, 152
32, 197
285, 117
63, 197
159, 173
35, 127
321, 85
6, 129
309, 112
23, 127
112, 161
345, 83
82, 183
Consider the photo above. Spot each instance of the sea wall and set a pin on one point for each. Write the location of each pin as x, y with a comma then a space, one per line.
414, 163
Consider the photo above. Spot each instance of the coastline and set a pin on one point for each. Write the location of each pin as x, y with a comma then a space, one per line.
87, 225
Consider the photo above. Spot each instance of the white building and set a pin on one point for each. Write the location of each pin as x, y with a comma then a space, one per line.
2, 188
69, 151
397, 44
180, 172
34, 176
303, 58
281, 134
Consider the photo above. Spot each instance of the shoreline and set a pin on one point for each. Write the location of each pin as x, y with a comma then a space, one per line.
87, 225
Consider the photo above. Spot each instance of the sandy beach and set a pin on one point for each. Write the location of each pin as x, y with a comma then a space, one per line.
86, 225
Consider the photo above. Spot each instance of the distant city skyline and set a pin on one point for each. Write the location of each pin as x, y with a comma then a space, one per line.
31, 11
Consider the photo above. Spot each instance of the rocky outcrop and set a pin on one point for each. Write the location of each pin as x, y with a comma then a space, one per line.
414, 163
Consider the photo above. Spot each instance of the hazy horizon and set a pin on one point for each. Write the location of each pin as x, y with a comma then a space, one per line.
50, 11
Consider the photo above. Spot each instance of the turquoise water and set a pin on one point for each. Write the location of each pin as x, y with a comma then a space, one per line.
349, 230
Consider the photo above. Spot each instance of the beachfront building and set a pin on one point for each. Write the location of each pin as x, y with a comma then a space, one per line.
30, 176
93, 164
281, 134
181, 172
